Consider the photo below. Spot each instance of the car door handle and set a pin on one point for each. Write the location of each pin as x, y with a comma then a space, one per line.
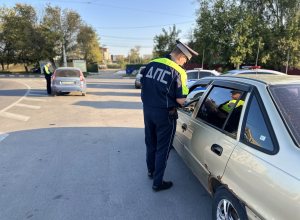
217, 149
184, 126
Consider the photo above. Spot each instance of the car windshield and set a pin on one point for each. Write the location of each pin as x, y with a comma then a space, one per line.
287, 98
192, 75
67, 73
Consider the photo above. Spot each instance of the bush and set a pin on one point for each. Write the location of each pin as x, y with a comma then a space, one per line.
5, 72
113, 66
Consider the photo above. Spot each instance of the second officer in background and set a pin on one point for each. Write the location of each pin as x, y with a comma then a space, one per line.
163, 90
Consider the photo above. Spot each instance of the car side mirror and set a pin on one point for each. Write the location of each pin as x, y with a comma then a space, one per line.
190, 102
85, 76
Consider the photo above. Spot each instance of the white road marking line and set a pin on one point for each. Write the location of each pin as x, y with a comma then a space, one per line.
38, 100
31, 76
12, 105
2, 75
3, 136
14, 116
28, 106
21, 76
11, 75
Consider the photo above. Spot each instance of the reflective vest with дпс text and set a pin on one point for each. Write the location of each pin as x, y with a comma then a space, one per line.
163, 82
185, 90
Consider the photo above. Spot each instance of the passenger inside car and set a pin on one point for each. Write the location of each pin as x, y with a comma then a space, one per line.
215, 111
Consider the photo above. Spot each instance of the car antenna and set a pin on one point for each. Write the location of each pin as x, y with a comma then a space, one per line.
287, 65
257, 54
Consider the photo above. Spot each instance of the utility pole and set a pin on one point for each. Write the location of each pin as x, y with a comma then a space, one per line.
287, 65
63, 45
202, 59
257, 53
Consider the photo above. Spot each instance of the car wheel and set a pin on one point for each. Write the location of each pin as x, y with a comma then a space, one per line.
227, 206
54, 94
83, 93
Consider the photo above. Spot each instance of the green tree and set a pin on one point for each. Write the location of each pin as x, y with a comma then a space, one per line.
122, 62
88, 44
134, 54
7, 52
165, 42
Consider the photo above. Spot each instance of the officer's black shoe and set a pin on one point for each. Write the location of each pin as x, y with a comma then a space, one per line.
164, 186
150, 176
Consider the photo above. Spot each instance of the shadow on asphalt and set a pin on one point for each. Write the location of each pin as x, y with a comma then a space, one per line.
110, 104
115, 94
21, 92
92, 173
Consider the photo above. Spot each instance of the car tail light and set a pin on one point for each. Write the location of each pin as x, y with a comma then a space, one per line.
53, 78
81, 77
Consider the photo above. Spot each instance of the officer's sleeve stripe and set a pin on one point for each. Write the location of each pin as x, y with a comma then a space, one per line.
175, 66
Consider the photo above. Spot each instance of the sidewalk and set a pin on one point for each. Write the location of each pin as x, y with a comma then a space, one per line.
22, 76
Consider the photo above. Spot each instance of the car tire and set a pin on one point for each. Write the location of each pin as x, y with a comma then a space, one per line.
54, 94
83, 93
235, 209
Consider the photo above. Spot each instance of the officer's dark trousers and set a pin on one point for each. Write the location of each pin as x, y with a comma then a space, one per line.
160, 128
48, 78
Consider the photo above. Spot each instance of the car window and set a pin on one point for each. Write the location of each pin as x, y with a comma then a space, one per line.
195, 95
266, 73
204, 74
192, 75
67, 73
287, 98
218, 105
256, 131
232, 123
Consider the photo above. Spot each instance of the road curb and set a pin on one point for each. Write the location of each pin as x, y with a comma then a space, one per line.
22, 76
129, 77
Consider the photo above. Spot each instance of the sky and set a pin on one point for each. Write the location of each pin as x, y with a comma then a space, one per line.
118, 23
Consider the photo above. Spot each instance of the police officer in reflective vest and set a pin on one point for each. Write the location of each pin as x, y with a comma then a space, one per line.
47, 74
163, 90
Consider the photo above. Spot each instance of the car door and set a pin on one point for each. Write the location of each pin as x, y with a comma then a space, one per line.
211, 133
185, 113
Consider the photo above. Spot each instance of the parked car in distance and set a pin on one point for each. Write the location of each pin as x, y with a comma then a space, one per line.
68, 79
198, 73
35, 70
252, 70
137, 82
241, 139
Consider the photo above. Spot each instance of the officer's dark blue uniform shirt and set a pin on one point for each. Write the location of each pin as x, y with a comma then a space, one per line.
162, 83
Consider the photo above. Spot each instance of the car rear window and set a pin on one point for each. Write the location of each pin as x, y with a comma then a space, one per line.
67, 73
287, 98
192, 75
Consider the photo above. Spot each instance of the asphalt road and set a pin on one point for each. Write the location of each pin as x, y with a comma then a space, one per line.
74, 157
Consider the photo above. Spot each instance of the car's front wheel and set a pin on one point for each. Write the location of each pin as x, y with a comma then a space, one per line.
227, 207
83, 93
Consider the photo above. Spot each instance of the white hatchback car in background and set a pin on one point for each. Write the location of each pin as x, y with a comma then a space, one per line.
252, 70
198, 73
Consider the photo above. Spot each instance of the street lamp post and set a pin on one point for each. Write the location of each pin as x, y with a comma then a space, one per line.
63, 45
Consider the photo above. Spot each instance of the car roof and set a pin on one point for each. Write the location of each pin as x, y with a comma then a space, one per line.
70, 68
256, 70
266, 79
212, 71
